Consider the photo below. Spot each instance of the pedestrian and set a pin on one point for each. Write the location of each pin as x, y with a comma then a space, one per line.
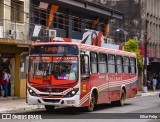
9, 83
154, 82
158, 82
6, 78
1, 83
148, 84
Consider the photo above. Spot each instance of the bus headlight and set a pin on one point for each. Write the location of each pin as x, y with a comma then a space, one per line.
72, 92
31, 92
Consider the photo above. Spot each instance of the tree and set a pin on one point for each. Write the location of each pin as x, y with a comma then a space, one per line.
132, 46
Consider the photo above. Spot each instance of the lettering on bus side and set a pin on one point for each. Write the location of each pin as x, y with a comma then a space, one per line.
113, 78
101, 77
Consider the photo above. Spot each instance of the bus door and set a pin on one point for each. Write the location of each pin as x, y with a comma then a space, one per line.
84, 74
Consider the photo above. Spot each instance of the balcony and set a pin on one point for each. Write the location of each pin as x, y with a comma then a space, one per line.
14, 33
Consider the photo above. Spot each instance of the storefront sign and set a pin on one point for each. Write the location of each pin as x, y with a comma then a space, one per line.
98, 1
7, 55
102, 2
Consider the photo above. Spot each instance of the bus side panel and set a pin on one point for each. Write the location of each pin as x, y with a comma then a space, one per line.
134, 88
85, 93
99, 82
114, 94
131, 86
115, 86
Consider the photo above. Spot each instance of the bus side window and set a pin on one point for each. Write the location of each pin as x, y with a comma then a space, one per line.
133, 65
84, 67
126, 65
94, 62
111, 64
119, 64
102, 63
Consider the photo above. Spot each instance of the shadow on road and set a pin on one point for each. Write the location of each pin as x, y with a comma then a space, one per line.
76, 111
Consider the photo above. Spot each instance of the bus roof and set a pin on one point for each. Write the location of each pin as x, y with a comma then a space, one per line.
91, 48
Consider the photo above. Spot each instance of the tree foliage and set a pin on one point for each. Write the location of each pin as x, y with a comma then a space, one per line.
132, 46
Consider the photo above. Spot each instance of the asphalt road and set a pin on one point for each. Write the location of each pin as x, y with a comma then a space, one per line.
138, 109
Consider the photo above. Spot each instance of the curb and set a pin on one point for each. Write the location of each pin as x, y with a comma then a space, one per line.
9, 98
148, 94
21, 108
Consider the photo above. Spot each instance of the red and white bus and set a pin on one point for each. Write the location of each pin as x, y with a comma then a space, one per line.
79, 75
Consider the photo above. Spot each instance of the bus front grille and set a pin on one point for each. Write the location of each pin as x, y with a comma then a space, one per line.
51, 100
53, 90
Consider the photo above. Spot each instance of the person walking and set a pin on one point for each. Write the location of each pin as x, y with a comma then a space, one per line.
154, 82
1, 83
6, 78
158, 82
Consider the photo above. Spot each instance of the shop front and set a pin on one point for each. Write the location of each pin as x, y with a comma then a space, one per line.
153, 70
10, 59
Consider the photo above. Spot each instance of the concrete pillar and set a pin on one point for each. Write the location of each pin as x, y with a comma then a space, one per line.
12, 72
17, 76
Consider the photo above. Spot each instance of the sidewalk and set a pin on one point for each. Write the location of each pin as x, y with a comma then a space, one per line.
14, 104
149, 93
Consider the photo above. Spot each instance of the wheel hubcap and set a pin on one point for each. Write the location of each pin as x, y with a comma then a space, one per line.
92, 103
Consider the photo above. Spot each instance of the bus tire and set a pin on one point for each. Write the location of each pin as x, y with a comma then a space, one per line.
114, 103
91, 106
49, 107
121, 102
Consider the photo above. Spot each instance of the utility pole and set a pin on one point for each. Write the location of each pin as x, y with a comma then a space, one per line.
145, 59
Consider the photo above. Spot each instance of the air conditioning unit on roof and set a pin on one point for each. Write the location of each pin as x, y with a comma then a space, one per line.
15, 34
110, 41
50, 33
1, 31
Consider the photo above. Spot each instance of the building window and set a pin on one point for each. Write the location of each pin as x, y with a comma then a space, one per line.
17, 11
88, 24
61, 21
76, 24
111, 64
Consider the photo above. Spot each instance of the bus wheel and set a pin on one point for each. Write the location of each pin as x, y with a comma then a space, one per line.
122, 98
91, 103
49, 107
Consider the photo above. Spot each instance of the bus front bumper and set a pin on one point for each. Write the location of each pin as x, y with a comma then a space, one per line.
60, 102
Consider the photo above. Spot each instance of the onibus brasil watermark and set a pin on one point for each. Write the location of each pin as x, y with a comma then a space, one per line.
20, 116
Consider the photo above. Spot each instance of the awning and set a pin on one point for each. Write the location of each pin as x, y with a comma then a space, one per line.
90, 8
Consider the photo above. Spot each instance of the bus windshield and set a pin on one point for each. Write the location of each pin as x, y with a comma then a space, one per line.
61, 68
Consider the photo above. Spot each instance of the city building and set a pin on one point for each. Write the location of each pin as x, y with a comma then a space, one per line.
22, 22
14, 41
141, 22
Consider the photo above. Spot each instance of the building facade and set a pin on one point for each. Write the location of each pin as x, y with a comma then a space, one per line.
22, 22
68, 19
153, 36
14, 28
142, 22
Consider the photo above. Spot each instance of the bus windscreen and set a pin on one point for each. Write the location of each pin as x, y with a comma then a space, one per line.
54, 49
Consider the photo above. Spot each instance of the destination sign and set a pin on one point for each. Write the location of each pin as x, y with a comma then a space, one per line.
54, 49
